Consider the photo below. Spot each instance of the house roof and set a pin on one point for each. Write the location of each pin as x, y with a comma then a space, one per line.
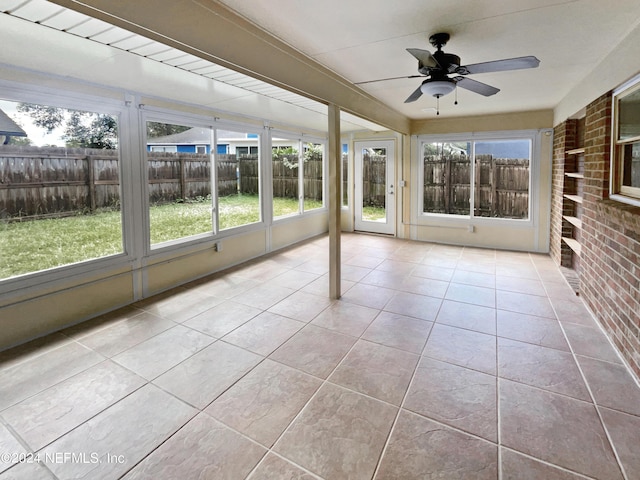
10, 128
195, 136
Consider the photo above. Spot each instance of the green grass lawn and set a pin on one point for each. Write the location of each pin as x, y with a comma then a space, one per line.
36, 245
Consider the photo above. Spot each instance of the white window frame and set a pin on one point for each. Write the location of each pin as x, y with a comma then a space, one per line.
301, 139
617, 191
119, 108
426, 218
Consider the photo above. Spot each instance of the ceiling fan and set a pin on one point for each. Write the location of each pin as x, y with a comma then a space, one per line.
438, 66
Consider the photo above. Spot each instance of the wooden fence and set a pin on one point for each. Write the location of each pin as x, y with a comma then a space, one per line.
501, 186
374, 180
38, 182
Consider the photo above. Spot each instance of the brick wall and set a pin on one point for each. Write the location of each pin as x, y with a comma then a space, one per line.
610, 259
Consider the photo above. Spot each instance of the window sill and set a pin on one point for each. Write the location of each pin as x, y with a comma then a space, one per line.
617, 198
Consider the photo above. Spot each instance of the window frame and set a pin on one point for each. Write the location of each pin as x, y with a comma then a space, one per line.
301, 140
119, 108
428, 218
618, 191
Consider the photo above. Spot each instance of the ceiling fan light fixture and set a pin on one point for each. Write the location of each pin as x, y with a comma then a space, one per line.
438, 88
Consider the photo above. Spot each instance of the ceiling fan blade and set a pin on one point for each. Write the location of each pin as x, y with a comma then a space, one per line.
386, 79
475, 86
499, 65
414, 96
424, 57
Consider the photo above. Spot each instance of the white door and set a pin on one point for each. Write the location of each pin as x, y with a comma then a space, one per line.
374, 187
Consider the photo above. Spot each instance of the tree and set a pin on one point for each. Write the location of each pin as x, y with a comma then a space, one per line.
156, 129
81, 129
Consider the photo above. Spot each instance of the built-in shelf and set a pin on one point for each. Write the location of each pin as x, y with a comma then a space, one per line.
574, 198
575, 221
575, 151
573, 244
575, 175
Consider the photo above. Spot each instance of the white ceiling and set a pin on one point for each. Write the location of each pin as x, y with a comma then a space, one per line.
364, 40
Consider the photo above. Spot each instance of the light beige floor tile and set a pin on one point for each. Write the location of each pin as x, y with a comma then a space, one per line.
462, 347
118, 438
518, 467
398, 331
264, 296
179, 306
155, 356
314, 350
591, 342
412, 305
434, 272
555, 428
376, 370
30, 350
465, 315
625, 435
521, 285
264, 333
612, 385
347, 318
421, 449
293, 279
203, 448
126, 333
43, 371
530, 329
27, 471
273, 466
222, 319
473, 294
542, 367
43, 418
368, 295
225, 286
473, 278
457, 396
339, 435
263, 403
10, 449
523, 303
201, 378
301, 306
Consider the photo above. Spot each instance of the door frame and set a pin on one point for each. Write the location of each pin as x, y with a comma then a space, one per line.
388, 226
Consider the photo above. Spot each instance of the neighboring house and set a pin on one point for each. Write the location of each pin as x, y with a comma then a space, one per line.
197, 140
8, 129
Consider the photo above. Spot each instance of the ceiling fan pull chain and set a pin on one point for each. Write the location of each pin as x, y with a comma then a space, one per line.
456, 101
438, 105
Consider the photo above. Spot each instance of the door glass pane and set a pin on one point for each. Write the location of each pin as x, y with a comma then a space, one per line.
238, 173
374, 184
285, 163
502, 179
447, 175
60, 188
313, 163
179, 181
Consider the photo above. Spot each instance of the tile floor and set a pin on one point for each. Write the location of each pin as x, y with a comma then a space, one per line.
438, 362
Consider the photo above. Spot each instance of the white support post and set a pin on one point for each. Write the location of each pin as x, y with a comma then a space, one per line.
335, 204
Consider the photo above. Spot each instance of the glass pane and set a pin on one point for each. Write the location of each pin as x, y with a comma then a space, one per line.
631, 165
60, 189
374, 184
345, 175
447, 174
502, 179
629, 116
238, 172
179, 181
313, 162
285, 162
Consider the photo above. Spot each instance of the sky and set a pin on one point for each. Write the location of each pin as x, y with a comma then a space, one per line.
37, 135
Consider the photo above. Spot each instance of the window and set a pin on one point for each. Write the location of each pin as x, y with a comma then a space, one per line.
298, 176
477, 178
238, 178
626, 148
60, 199
180, 201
